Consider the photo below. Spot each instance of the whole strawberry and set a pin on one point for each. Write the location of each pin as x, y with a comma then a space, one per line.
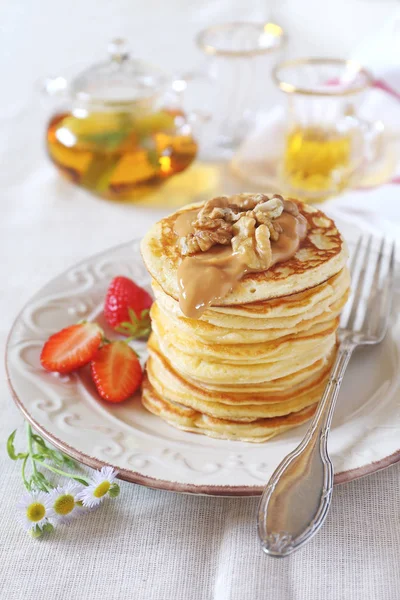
126, 307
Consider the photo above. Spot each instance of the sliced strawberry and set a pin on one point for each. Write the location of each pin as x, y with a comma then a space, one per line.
126, 307
71, 348
116, 371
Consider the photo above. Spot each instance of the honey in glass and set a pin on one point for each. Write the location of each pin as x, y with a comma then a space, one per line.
317, 160
327, 143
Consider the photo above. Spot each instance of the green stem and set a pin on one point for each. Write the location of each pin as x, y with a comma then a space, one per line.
26, 484
30, 446
79, 478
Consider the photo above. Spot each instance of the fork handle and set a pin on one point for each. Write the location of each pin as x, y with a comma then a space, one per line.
297, 498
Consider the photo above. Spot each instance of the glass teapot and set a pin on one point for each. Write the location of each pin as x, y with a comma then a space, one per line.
119, 129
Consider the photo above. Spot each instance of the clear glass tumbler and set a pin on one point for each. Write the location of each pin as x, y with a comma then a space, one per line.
239, 58
327, 143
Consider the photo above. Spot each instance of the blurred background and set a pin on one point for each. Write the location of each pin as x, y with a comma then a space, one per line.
53, 38
61, 39
40, 39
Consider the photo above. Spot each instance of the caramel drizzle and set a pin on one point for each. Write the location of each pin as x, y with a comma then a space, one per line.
209, 276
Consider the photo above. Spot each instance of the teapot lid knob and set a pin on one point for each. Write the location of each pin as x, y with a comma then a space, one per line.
118, 49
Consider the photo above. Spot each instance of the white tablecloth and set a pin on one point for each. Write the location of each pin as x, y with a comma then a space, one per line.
152, 545
157, 545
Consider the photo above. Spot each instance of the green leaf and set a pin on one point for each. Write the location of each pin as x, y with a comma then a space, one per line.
133, 316
56, 455
70, 462
39, 440
48, 528
129, 325
82, 481
136, 328
36, 532
41, 456
114, 490
110, 140
35, 485
40, 481
99, 171
153, 157
60, 458
11, 448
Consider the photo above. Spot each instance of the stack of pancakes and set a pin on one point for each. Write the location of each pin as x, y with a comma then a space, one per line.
255, 363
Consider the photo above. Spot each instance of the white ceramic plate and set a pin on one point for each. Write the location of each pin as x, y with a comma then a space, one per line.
67, 411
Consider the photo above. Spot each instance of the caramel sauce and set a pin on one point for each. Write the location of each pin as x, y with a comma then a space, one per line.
294, 231
183, 222
209, 276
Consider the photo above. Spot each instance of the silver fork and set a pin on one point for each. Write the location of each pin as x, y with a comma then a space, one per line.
297, 498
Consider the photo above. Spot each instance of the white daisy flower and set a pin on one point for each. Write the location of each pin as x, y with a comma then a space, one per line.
64, 501
35, 510
84, 510
98, 488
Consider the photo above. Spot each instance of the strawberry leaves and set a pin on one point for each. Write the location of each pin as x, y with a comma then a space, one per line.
136, 327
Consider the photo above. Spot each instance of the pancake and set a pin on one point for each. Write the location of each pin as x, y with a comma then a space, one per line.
237, 405
283, 348
191, 420
312, 306
256, 361
281, 384
322, 254
308, 303
273, 387
208, 333
210, 371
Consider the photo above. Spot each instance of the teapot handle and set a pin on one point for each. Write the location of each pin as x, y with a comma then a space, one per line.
373, 136
195, 115
379, 164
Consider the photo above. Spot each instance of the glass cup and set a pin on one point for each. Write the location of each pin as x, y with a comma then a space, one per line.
327, 144
233, 78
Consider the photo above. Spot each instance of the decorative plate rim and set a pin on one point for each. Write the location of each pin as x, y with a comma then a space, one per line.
186, 488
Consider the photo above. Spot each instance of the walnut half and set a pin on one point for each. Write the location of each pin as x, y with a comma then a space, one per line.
203, 239
247, 221
252, 243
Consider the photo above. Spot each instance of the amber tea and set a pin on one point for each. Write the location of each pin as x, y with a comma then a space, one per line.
120, 155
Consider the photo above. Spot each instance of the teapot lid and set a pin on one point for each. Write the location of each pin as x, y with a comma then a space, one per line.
121, 79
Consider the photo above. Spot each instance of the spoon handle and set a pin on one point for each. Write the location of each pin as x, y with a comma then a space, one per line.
297, 498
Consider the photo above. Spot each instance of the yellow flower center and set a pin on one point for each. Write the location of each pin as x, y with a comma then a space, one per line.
101, 489
35, 512
64, 504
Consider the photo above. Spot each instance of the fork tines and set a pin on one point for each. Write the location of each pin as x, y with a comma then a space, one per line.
372, 273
